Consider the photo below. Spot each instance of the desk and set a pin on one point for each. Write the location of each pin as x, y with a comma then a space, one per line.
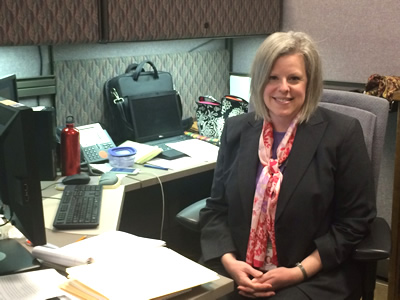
142, 209
135, 207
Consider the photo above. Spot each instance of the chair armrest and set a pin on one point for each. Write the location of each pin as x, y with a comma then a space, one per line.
376, 245
189, 216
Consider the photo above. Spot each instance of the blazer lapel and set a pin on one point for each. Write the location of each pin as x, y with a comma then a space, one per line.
248, 164
307, 138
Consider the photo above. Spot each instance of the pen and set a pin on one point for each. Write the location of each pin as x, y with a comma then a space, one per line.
81, 239
156, 167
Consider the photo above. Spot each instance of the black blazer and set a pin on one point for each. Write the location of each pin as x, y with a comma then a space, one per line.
327, 197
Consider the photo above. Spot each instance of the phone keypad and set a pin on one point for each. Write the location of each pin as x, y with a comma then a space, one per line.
92, 153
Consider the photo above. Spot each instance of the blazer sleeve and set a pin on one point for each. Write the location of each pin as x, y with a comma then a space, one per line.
354, 199
216, 238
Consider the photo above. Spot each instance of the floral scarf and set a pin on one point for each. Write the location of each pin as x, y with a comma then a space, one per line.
266, 195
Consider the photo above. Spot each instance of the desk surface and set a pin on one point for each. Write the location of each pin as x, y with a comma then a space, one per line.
112, 204
148, 176
113, 199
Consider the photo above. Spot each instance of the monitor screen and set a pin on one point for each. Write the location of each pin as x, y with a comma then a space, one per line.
8, 88
155, 117
20, 192
239, 85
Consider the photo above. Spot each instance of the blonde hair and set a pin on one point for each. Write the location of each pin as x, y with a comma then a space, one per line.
275, 46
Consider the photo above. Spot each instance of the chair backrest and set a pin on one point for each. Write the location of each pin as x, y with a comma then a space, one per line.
372, 112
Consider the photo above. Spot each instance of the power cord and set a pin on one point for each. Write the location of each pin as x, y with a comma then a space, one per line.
86, 167
10, 220
6, 225
50, 185
162, 199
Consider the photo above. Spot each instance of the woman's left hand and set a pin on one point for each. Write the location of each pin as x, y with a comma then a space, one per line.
281, 277
277, 278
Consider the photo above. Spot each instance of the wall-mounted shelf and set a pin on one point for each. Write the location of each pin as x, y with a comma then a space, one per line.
36, 86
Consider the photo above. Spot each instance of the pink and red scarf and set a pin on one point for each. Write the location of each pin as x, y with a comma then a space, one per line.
267, 193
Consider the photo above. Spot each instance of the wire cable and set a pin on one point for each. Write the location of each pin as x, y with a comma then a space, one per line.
86, 167
50, 185
162, 199
40, 70
201, 45
10, 220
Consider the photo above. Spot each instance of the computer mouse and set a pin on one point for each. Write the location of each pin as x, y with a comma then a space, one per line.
108, 178
76, 179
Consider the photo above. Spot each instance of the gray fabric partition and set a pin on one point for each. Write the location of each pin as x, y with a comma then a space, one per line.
80, 82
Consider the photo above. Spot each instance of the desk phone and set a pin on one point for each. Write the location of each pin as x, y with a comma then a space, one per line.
95, 142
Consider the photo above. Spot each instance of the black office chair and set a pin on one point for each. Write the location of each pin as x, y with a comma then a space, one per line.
372, 112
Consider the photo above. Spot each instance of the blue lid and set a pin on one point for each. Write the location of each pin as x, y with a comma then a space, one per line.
122, 151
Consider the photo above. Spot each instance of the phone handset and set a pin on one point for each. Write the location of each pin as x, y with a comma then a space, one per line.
95, 141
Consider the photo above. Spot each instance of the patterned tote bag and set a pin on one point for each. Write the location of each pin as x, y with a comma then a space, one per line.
211, 113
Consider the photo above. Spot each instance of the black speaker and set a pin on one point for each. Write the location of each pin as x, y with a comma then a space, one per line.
45, 131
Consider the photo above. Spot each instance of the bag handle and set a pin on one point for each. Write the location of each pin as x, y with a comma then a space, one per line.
235, 98
140, 67
131, 68
210, 100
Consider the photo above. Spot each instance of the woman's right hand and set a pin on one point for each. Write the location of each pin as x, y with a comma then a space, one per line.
242, 273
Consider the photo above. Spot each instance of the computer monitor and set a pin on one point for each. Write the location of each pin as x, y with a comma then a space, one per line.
20, 192
8, 88
239, 85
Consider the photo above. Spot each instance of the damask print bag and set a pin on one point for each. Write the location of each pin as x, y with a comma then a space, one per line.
211, 113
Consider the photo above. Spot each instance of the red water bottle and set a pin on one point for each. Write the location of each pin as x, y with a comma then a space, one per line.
70, 149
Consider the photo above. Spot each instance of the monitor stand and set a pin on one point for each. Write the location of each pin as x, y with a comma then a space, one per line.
15, 258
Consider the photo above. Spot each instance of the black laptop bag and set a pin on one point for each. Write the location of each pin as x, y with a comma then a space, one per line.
135, 83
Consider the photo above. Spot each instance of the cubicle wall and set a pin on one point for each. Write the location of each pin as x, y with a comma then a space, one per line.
80, 82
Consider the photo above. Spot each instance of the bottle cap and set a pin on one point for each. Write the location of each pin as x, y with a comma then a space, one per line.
70, 120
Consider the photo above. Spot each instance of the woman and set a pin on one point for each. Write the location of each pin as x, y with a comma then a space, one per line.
293, 188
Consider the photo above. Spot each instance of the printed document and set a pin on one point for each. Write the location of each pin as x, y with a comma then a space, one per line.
42, 284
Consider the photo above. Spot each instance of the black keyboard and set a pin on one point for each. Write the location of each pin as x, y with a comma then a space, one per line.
79, 207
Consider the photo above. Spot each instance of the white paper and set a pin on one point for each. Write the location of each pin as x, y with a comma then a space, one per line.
108, 246
42, 284
197, 149
174, 164
106, 167
146, 274
60, 257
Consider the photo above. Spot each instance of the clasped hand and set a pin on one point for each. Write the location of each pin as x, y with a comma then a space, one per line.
253, 283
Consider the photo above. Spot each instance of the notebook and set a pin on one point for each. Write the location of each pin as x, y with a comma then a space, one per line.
157, 121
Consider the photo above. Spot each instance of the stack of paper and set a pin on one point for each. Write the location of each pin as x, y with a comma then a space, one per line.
124, 265
155, 273
144, 152
42, 284
93, 249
